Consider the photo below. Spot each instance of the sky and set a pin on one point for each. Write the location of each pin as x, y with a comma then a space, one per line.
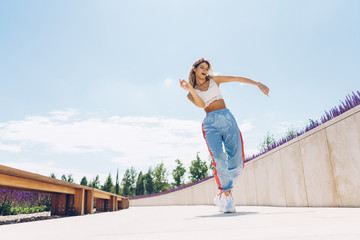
89, 87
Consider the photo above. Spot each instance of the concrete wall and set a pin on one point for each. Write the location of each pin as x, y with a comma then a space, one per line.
199, 194
319, 168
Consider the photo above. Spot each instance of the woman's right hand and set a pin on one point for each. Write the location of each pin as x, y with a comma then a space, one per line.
192, 96
185, 85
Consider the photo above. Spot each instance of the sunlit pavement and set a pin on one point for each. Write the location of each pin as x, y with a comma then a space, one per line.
196, 222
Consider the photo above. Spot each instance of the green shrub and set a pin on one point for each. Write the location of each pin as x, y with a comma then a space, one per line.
5, 208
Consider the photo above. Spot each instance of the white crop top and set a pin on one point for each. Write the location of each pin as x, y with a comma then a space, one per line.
211, 95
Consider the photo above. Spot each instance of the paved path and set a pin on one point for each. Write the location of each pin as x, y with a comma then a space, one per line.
196, 222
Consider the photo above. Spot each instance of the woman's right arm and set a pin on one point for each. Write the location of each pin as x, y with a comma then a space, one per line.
192, 95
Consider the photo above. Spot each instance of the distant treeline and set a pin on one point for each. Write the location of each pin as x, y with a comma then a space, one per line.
153, 181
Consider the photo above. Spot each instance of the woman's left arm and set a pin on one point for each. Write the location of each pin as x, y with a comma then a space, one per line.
225, 79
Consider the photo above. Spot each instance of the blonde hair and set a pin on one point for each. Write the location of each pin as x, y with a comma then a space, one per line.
192, 77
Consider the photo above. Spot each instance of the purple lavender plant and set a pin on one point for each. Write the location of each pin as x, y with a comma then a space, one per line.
15, 202
350, 102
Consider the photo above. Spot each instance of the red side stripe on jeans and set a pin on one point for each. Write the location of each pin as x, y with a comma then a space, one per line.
242, 148
213, 161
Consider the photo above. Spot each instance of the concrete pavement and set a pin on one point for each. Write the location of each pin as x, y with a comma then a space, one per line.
196, 222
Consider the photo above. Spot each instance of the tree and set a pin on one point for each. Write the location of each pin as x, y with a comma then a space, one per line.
117, 185
312, 124
160, 178
140, 185
149, 182
69, 178
84, 181
198, 169
95, 183
291, 133
211, 164
133, 175
178, 173
108, 185
63, 177
267, 142
128, 182
52, 175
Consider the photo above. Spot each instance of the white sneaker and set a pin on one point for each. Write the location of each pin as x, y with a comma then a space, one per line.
219, 201
229, 206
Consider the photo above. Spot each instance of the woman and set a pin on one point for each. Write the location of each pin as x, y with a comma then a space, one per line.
219, 127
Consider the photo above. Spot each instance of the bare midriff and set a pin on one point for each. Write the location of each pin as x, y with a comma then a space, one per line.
216, 105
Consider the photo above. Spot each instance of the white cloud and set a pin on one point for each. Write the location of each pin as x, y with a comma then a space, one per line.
63, 115
135, 140
283, 127
168, 82
10, 148
127, 141
250, 152
246, 126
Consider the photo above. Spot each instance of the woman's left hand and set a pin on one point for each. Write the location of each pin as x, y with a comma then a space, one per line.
264, 88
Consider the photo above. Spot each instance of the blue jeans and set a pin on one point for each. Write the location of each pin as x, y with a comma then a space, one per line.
220, 127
